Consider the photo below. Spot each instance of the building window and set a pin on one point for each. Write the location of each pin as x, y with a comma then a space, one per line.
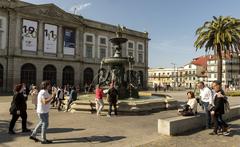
89, 44
102, 53
140, 49
1, 75
89, 38
50, 73
130, 53
140, 57
130, 48
130, 45
89, 51
68, 76
103, 41
102, 47
28, 74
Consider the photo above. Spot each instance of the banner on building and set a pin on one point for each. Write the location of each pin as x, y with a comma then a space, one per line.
29, 35
69, 41
50, 38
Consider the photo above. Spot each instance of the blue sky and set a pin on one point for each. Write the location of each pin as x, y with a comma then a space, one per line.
171, 23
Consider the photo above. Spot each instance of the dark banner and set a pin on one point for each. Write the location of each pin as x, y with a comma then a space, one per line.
69, 41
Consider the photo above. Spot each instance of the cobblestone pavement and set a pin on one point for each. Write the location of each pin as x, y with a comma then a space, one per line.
80, 130
200, 139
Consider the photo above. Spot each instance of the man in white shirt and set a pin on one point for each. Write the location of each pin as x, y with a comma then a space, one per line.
43, 106
206, 99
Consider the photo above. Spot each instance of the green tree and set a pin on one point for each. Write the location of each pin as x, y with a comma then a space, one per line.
220, 35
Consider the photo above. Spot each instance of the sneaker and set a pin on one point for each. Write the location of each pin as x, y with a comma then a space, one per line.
108, 115
46, 142
226, 133
11, 132
34, 138
26, 130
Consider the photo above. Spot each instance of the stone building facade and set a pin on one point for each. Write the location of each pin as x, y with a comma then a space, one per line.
43, 42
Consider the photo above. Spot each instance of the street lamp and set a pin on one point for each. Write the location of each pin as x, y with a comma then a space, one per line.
174, 66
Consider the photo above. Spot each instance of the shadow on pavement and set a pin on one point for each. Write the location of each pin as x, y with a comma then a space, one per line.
234, 130
62, 130
92, 139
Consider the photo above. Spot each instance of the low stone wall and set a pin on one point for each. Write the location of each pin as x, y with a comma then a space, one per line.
177, 125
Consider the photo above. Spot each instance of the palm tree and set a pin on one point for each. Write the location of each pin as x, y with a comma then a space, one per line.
220, 35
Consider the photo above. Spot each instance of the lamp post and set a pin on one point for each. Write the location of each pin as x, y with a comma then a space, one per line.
174, 66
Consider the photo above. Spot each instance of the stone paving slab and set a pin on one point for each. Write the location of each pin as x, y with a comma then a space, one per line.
200, 139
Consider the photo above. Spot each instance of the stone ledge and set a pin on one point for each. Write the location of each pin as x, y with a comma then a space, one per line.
177, 125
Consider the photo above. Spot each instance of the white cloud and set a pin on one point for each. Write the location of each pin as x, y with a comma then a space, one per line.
77, 8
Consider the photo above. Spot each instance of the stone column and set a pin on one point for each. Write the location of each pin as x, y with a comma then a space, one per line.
60, 42
40, 46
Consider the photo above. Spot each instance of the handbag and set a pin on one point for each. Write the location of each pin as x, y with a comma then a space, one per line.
210, 107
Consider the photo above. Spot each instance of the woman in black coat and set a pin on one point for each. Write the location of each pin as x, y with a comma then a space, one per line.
18, 108
218, 110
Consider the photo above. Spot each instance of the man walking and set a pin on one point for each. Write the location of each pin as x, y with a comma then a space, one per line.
112, 99
43, 107
206, 99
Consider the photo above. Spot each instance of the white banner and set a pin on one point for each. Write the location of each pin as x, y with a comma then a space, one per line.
50, 38
29, 35
69, 42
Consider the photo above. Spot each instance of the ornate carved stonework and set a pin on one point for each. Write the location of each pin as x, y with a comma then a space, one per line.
51, 13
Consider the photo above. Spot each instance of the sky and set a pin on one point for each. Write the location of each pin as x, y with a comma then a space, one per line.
171, 24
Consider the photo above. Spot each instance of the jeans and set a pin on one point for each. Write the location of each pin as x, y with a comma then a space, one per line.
110, 108
23, 115
208, 115
69, 103
99, 105
43, 123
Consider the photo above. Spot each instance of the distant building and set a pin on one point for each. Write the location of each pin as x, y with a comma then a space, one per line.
43, 42
230, 69
186, 76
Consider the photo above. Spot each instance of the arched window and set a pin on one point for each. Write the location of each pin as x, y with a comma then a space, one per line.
88, 76
50, 73
68, 76
28, 74
1, 75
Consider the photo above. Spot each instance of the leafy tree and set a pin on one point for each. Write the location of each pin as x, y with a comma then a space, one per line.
221, 35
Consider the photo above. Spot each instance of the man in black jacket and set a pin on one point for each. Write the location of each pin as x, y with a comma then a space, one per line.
218, 109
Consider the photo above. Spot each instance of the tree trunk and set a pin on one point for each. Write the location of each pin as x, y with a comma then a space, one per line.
219, 69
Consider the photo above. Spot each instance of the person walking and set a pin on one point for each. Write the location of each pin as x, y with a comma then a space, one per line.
18, 108
112, 95
72, 97
99, 99
34, 94
206, 100
218, 109
43, 107
60, 97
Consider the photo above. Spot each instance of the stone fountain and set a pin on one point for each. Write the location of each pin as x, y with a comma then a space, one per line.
116, 75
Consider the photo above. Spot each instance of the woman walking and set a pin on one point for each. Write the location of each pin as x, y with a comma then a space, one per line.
18, 108
34, 94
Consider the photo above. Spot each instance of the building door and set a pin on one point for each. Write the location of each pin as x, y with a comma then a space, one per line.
88, 76
68, 76
28, 74
50, 73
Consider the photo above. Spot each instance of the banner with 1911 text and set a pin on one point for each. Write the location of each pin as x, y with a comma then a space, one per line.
50, 38
29, 35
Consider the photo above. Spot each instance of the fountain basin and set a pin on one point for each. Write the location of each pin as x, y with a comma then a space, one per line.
117, 60
143, 105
